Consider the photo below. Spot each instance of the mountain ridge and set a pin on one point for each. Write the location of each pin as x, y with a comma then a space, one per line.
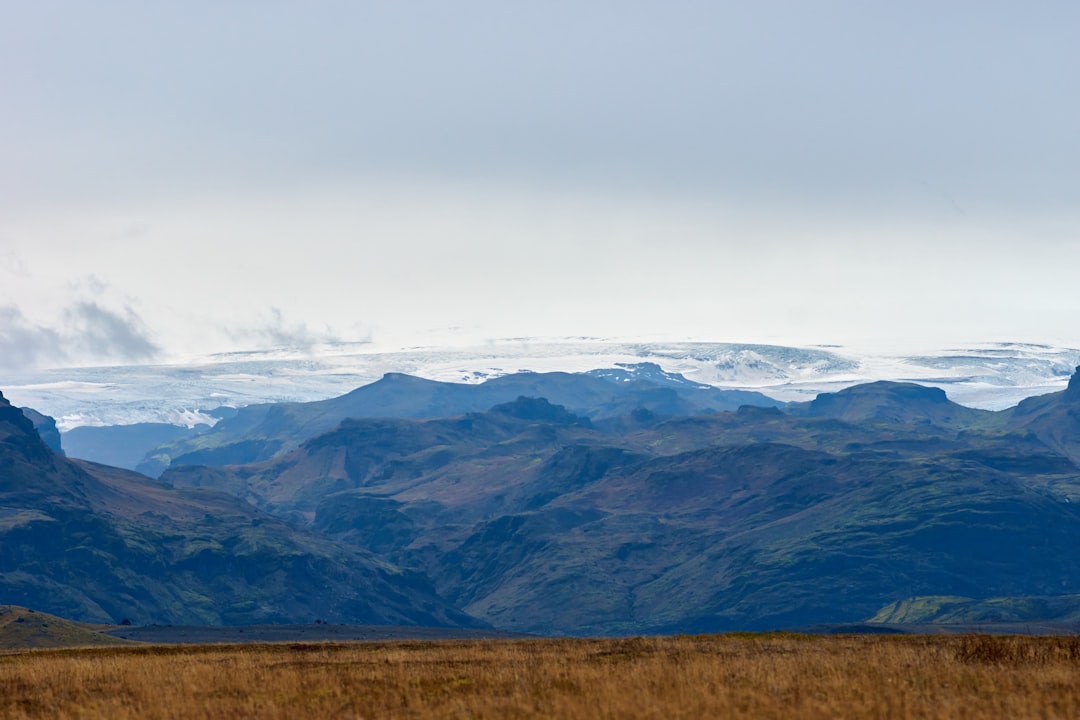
259, 432
535, 518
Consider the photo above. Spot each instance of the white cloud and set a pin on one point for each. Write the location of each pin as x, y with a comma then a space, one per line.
87, 333
23, 344
775, 171
277, 332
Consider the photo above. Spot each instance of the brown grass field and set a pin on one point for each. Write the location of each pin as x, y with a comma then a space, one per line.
732, 676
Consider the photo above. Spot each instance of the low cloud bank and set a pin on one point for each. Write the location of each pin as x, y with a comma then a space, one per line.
277, 332
86, 333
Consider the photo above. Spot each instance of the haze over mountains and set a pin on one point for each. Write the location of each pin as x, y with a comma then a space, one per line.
623, 500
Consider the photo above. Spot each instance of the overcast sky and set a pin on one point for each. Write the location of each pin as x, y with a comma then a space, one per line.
181, 178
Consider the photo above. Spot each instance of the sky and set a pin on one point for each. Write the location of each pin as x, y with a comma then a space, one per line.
179, 179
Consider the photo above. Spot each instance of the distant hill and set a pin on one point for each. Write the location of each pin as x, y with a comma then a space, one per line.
122, 446
259, 432
100, 544
895, 402
950, 610
1053, 418
21, 628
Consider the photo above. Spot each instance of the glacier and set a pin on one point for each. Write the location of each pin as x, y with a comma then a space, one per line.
990, 375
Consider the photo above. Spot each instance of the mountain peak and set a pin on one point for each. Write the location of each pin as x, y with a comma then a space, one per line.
1072, 392
397, 378
643, 371
875, 395
45, 427
529, 408
889, 401
13, 421
27, 422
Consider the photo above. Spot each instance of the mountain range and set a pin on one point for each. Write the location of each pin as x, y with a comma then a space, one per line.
612, 502
258, 432
101, 544
536, 519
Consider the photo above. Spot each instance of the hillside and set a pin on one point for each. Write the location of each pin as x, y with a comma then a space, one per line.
1053, 418
951, 610
21, 628
100, 544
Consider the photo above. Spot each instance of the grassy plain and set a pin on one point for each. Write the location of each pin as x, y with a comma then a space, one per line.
734, 676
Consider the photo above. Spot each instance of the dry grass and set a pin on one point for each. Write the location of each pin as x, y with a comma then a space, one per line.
688, 677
